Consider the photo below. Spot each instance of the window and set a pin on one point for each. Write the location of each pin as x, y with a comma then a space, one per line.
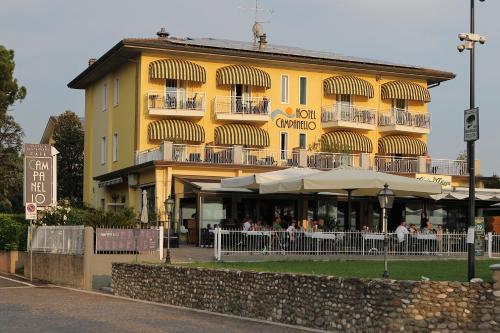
284, 89
283, 145
344, 106
240, 103
103, 150
302, 90
105, 97
115, 147
175, 94
116, 92
399, 104
302, 141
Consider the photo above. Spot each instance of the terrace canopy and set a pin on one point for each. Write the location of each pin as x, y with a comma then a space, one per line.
253, 181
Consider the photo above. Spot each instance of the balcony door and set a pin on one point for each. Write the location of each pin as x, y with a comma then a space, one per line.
240, 97
400, 109
344, 107
175, 96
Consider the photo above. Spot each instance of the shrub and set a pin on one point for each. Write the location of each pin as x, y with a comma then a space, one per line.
13, 232
121, 218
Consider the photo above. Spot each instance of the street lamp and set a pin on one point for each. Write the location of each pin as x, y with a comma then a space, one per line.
169, 206
386, 199
470, 39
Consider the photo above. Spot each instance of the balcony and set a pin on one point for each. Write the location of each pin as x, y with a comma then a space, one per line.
237, 155
177, 104
397, 120
242, 109
348, 116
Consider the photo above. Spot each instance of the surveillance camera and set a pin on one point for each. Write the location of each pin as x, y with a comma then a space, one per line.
482, 39
461, 48
462, 36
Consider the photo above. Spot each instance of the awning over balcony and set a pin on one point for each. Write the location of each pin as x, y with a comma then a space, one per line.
239, 74
401, 144
405, 90
177, 69
176, 130
241, 134
348, 85
345, 141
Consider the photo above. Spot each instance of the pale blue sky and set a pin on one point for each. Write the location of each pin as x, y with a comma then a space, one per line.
53, 40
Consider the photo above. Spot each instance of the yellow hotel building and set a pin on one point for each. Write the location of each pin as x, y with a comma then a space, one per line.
172, 116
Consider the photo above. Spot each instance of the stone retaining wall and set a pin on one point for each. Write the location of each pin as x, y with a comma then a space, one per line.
324, 302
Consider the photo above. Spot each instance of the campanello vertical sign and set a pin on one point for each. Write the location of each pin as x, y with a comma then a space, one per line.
38, 186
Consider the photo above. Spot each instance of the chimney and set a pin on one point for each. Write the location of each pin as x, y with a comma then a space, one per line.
262, 42
92, 61
162, 33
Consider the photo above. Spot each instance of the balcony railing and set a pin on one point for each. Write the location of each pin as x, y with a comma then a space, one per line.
404, 118
242, 105
176, 100
237, 155
348, 113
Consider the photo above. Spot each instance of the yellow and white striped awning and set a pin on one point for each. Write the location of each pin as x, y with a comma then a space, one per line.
239, 74
345, 141
176, 130
177, 69
401, 144
405, 90
348, 85
241, 134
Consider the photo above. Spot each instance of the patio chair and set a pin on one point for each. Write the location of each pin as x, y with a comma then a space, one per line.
191, 102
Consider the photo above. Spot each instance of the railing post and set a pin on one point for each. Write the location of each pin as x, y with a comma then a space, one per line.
490, 245
166, 150
219, 246
421, 164
237, 154
302, 158
364, 162
160, 241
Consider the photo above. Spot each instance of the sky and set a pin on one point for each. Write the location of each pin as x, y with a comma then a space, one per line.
53, 40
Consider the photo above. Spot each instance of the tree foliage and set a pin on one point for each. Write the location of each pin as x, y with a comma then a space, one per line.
68, 140
10, 91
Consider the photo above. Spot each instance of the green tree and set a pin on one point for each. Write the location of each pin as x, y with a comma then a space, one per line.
10, 91
68, 140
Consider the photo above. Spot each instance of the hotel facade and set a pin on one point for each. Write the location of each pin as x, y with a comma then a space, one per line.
173, 116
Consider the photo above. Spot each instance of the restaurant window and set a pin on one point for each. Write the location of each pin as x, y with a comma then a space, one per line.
175, 96
105, 97
115, 147
399, 104
103, 150
214, 212
344, 102
116, 92
302, 90
413, 213
302, 141
284, 89
283, 145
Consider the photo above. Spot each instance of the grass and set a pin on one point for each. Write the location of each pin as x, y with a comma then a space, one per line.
436, 270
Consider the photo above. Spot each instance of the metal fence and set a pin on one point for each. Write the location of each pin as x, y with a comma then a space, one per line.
493, 245
58, 239
234, 242
127, 241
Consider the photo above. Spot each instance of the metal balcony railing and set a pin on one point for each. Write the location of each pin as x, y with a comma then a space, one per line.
348, 113
242, 105
177, 100
404, 118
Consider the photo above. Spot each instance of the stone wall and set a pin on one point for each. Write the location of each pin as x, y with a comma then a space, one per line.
324, 302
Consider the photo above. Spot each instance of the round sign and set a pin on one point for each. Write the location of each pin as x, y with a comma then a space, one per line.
30, 207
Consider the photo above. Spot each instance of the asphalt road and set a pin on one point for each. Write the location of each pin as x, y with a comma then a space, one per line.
51, 309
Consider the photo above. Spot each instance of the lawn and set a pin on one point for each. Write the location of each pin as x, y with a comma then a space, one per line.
437, 270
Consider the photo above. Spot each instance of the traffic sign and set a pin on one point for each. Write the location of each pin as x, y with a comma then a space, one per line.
471, 124
30, 211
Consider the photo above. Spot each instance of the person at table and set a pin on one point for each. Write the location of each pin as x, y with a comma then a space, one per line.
321, 224
401, 233
277, 224
439, 234
291, 231
247, 225
413, 229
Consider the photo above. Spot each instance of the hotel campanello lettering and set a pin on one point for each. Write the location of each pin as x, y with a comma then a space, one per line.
299, 119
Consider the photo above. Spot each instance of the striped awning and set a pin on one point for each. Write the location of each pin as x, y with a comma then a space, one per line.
348, 85
241, 134
177, 69
345, 141
401, 144
405, 90
239, 74
176, 130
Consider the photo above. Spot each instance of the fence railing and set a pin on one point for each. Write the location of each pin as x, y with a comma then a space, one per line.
153, 154
58, 239
242, 105
267, 157
396, 164
493, 245
177, 100
358, 243
127, 240
348, 113
404, 118
447, 167
202, 154
321, 160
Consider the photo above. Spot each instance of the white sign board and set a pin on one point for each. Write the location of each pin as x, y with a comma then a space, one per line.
443, 180
30, 211
471, 124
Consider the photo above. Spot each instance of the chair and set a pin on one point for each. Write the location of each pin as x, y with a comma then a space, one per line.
191, 102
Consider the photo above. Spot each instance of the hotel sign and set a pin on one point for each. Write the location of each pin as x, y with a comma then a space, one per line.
297, 119
444, 181
39, 174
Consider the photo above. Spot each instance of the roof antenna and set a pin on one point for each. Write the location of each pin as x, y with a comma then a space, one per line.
257, 28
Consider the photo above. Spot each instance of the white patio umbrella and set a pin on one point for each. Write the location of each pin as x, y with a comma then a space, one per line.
144, 211
362, 182
253, 181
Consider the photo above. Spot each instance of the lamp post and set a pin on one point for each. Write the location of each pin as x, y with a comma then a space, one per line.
169, 205
386, 199
470, 39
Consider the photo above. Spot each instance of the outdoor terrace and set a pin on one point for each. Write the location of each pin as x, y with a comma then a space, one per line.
177, 104
238, 155
397, 120
348, 116
242, 109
